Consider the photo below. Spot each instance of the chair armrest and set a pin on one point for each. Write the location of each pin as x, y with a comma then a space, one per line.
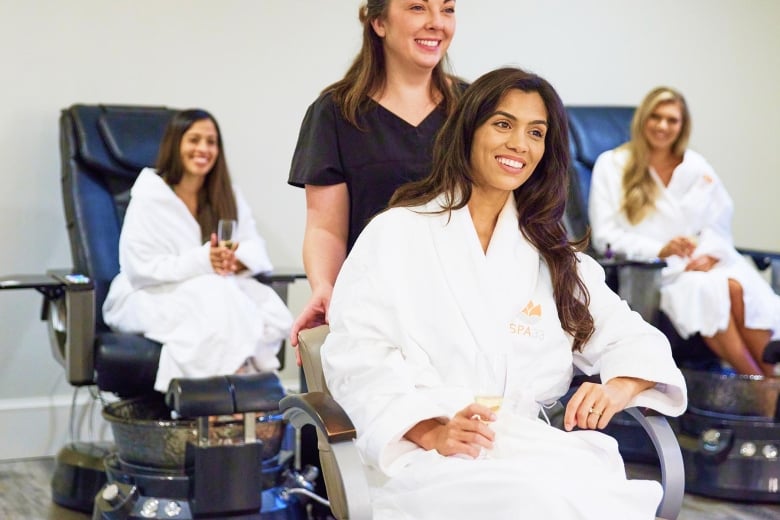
43, 283
280, 279
618, 262
69, 308
670, 457
342, 466
762, 259
71, 324
638, 282
320, 410
666, 447
284, 274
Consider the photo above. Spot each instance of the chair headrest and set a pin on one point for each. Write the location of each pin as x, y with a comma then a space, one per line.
596, 129
117, 140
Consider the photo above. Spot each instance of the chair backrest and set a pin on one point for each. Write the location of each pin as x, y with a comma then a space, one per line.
309, 342
103, 149
592, 131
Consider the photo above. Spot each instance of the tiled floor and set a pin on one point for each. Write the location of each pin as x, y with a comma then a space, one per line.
25, 495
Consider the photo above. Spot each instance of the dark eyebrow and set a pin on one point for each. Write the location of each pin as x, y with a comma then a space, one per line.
505, 114
513, 118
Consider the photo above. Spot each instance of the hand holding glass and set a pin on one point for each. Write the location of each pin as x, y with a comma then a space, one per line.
226, 232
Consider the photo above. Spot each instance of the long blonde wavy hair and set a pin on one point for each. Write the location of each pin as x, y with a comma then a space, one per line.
639, 189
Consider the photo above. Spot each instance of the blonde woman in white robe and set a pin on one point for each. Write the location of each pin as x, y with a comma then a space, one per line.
176, 284
654, 198
469, 279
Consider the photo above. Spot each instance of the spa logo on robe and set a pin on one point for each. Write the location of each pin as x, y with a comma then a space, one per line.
525, 322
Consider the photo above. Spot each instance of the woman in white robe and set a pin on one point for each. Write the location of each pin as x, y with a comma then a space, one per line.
469, 279
652, 197
176, 284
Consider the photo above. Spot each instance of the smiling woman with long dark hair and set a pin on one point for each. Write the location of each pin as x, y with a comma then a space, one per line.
467, 281
176, 284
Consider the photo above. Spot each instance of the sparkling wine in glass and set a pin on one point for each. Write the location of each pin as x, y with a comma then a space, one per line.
491, 382
226, 232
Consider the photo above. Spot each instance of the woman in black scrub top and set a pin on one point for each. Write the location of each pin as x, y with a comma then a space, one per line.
370, 132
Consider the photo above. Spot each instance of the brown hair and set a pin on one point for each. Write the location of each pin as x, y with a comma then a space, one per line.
367, 73
215, 199
540, 200
639, 189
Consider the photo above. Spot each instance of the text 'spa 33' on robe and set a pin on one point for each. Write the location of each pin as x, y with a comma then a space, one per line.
416, 305
168, 291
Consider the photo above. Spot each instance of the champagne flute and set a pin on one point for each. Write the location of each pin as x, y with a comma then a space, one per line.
226, 232
491, 380
491, 385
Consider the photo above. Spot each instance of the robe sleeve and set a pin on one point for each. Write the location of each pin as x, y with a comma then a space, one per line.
149, 254
608, 223
251, 250
383, 389
623, 344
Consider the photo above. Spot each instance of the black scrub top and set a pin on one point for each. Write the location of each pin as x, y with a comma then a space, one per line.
374, 160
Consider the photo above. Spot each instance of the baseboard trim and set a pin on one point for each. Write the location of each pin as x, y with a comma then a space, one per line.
36, 427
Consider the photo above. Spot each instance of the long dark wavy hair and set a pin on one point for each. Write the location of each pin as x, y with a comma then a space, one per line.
367, 73
540, 200
215, 199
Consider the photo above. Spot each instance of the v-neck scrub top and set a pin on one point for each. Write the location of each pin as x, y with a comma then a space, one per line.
374, 159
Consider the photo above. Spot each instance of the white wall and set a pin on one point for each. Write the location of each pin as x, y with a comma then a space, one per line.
257, 64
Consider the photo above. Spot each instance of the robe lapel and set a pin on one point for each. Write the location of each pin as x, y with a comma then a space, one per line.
512, 267
161, 204
484, 286
668, 200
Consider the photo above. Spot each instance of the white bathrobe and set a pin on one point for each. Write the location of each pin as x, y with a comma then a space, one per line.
694, 204
416, 305
168, 291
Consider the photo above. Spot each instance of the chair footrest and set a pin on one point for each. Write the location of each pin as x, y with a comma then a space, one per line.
224, 395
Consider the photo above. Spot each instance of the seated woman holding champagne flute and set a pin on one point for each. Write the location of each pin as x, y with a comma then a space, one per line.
182, 285
458, 317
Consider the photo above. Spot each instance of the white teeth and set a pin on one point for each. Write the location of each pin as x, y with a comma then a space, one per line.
428, 43
510, 162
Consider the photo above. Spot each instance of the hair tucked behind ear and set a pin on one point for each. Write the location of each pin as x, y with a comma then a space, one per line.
540, 200
215, 199
640, 191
